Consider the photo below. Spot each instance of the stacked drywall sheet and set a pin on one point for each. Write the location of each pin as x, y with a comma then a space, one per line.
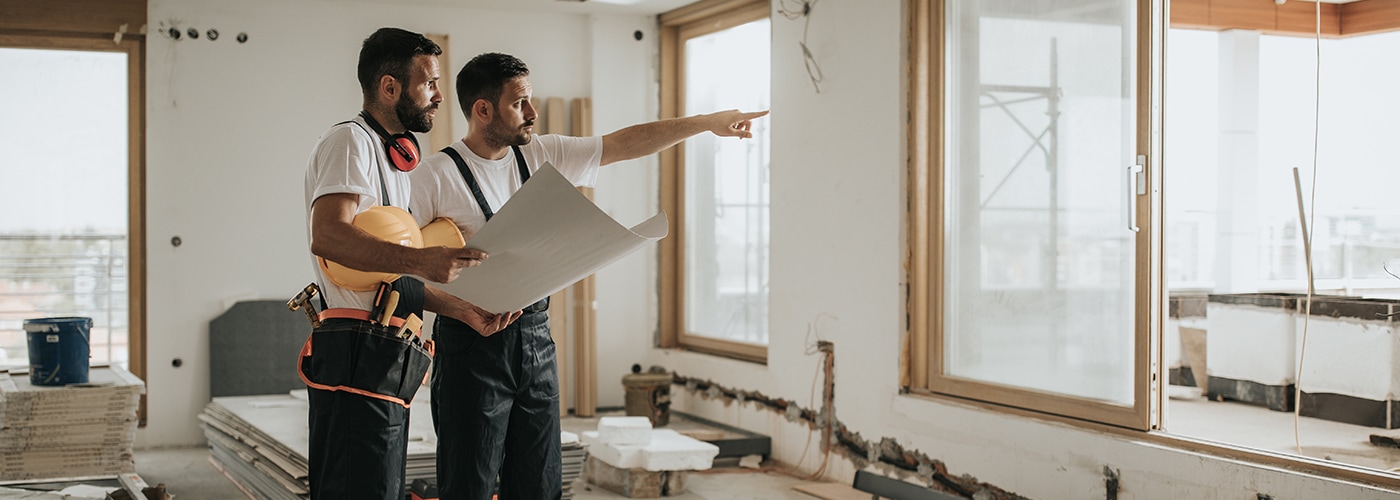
574, 453
261, 442
71, 431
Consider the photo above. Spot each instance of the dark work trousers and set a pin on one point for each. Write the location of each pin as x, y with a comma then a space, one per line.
495, 403
359, 446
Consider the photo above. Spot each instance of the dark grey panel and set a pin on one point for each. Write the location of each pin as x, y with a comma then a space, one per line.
253, 349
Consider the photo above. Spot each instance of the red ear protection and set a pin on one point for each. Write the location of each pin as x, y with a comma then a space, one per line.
403, 151
401, 148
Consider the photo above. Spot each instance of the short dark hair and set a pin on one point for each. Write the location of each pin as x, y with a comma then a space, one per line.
485, 76
390, 51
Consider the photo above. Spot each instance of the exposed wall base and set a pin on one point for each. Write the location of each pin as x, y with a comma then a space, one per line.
884, 454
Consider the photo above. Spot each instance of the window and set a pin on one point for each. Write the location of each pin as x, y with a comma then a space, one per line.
67, 254
715, 268
1031, 230
72, 243
1029, 123
1239, 119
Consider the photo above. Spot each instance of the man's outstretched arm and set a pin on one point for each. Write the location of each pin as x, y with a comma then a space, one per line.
651, 138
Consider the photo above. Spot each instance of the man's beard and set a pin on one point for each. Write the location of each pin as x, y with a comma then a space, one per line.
414, 118
499, 135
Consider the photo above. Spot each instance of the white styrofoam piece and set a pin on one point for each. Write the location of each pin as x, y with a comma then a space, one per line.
624, 430
681, 453
668, 450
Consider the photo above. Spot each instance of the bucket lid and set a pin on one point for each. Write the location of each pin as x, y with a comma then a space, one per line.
647, 379
42, 325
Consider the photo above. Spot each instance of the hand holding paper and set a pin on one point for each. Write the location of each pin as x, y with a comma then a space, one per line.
547, 237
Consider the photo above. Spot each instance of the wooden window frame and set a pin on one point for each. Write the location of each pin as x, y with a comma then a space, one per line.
108, 26
677, 26
925, 20
923, 361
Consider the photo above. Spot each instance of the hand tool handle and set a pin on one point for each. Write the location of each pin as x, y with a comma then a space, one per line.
389, 306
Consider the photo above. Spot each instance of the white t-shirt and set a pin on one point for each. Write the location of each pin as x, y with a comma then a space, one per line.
349, 158
440, 191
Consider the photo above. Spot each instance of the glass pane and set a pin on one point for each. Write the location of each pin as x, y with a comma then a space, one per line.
1040, 134
726, 188
63, 240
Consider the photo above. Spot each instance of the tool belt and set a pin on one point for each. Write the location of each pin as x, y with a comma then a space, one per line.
353, 351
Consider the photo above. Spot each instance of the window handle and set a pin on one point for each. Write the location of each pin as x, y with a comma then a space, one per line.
1136, 187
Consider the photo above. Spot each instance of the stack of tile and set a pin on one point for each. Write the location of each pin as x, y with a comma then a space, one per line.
574, 454
627, 456
72, 431
261, 442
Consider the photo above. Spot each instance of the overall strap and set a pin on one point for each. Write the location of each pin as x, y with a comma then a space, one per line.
520, 163
471, 179
383, 184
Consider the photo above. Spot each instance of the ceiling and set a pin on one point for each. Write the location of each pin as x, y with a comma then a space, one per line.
641, 7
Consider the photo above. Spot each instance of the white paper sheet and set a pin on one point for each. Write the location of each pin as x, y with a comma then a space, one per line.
546, 237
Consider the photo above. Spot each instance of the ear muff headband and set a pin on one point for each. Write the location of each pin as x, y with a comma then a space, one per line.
401, 148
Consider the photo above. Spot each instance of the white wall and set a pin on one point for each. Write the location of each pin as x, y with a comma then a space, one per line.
229, 130
230, 127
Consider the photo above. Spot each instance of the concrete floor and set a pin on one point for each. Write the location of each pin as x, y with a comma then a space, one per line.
188, 473
1251, 426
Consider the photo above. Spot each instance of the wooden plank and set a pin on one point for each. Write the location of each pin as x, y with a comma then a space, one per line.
1370, 16
73, 16
584, 292
1299, 18
1190, 13
556, 116
1242, 14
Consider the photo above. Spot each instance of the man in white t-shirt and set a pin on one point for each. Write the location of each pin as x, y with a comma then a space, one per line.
358, 415
495, 395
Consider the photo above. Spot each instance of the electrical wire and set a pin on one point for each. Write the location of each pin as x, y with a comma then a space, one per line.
804, 11
1312, 220
825, 366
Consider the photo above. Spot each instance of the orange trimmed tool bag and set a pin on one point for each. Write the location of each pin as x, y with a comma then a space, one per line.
348, 352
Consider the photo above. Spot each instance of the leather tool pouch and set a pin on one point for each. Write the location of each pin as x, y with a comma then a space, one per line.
368, 359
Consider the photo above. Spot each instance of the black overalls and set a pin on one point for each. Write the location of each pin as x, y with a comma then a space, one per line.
358, 445
495, 400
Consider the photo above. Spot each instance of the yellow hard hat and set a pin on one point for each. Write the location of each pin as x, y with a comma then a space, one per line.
442, 232
395, 225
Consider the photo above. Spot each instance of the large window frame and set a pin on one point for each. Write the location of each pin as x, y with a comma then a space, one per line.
922, 365
109, 26
926, 371
677, 26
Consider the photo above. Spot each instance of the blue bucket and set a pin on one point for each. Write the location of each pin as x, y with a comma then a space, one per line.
58, 350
